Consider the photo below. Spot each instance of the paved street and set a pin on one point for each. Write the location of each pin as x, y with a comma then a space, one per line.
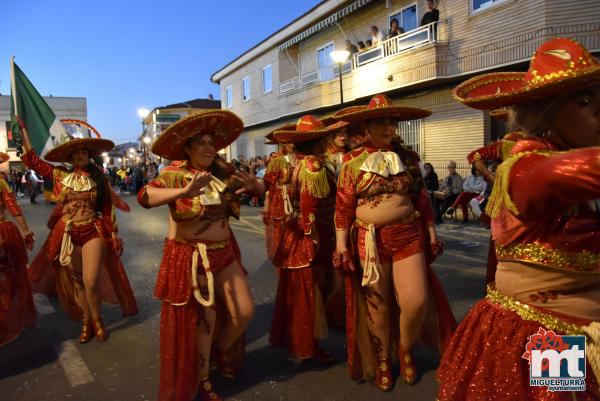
47, 363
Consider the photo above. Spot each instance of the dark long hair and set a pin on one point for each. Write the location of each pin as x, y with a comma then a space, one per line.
102, 183
410, 159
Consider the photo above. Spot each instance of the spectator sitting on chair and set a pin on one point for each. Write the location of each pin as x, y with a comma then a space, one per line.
376, 36
473, 186
431, 180
452, 188
395, 28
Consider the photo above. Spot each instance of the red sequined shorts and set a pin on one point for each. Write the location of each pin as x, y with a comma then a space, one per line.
394, 242
82, 233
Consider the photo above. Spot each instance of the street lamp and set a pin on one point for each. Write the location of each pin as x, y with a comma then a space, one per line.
147, 141
142, 113
340, 57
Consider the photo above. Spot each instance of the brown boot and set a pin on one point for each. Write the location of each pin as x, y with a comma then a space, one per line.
408, 371
87, 332
205, 391
99, 330
383, 377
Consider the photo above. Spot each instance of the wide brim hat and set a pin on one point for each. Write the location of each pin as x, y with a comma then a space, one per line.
224, 126
4, 157
381, 106
271, 140
500, 114
558, 65
308, 128
94, 146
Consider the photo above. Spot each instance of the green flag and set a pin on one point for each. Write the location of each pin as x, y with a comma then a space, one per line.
44, 128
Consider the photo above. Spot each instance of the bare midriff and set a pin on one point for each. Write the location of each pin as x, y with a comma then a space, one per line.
80, 206
385, 209
213, 225
571, 293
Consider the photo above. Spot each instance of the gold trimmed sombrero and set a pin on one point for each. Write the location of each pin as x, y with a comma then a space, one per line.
271, 135
308, 128
500, 114
4, 157
94, 146
559, 64
381, 106
223, 125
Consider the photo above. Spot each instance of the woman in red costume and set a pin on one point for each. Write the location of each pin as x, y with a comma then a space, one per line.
546, 227
17, 310
495, 152
384, 217
304, 257
80, 261
277, 199
206, 302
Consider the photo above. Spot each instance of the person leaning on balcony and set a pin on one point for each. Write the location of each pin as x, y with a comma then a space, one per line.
395, 28
351, 48
376, 36
432, 15
361, 46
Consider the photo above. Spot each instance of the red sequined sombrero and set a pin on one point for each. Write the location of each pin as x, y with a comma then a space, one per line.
381, 106
94, 146
224, 126
307, 128
559, 64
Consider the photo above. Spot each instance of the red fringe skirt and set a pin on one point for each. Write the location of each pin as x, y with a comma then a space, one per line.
484, 360
179, 318
48, 277
17, 310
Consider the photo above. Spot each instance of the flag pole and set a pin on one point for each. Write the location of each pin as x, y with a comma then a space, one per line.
13, 85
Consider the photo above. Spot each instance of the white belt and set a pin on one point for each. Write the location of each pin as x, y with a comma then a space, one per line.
287, 203
66, 247
371, 264
201, 250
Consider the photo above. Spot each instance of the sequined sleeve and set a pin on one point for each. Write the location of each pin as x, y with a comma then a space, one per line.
313, 183
166, 179
346, 200
486, 153
34, 162
10, 202
542, 184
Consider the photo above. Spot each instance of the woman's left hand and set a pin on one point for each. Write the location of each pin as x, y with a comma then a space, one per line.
248, 183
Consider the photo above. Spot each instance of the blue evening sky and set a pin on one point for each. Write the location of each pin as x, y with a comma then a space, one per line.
123, 55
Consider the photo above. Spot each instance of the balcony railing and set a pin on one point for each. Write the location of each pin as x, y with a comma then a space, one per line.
287, 86
410, 40
417, 37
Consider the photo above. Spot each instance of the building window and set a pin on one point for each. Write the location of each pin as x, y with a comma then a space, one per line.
477, 5
410, 132
267, 79
325, 62
407, 18
246, 89
228, 97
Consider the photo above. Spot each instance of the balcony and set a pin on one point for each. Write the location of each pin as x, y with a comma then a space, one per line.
426, 35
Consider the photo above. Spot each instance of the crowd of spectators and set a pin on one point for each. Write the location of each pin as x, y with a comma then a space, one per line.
376, 36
